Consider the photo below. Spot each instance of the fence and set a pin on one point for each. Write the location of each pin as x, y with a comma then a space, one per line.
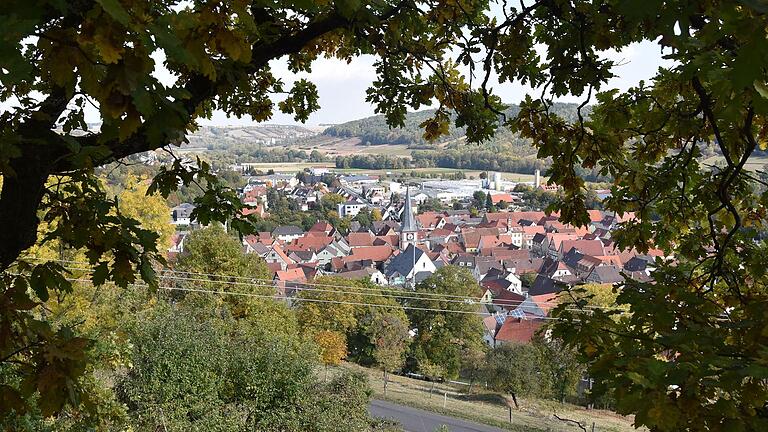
455, 401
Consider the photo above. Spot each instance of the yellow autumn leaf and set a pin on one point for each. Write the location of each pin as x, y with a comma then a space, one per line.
590, 349
763, 144
110, 52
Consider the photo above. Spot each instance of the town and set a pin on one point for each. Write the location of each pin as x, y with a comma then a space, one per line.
522, 259
383, 216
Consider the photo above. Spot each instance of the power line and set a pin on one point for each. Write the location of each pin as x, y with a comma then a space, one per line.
300, 299
298, 287
251, 279
377, 292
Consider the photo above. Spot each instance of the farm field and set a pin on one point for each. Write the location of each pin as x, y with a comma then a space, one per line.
333, 146
292, 167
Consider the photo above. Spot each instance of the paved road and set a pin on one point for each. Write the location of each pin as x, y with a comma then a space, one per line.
416, 420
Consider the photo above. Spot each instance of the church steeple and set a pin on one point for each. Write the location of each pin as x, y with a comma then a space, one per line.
409, 228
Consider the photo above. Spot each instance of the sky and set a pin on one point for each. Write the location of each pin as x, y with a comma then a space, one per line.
342, 86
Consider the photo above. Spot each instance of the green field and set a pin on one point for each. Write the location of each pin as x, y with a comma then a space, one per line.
490, 408
292, 167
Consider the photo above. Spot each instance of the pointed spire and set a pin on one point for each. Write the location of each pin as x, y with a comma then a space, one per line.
408, 220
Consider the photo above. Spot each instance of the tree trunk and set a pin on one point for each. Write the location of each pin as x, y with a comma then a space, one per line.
19, 202
514, 399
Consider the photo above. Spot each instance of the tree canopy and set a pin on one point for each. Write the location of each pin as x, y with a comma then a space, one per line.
688, 351
445, 329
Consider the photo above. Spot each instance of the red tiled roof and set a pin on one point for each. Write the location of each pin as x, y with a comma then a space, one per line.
515, 217
587, 247
358, 239
518, 330
392, 240
497, 198
321, 226
337, 263
259, 210
373, 253
612, 259
441, 232
429, 219
556, 239
595, 215
533, 229
314, 243
472, 236
545, 301
490, 323
508, 254
455, 247
450, 227
279, 251
291, 275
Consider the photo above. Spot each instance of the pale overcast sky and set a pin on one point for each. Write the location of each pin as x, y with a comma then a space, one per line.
342, 86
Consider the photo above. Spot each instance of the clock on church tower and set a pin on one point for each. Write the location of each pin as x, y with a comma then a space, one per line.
409, 228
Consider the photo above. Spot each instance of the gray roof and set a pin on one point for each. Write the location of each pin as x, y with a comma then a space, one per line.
304, 255
379, 226
408, 219
331, 250
607, 274
529, 307
363, 273
287, 230
354, 178
638, 263
260, 248
183, 210
420, 276
403, 263
543, 285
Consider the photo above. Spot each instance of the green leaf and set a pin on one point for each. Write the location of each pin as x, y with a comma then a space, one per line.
348, 8
100, 274
115, 10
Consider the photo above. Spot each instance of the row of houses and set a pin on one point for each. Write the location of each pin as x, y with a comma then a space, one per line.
521, 259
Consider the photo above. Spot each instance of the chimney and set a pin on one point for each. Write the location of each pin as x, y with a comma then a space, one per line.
537, 179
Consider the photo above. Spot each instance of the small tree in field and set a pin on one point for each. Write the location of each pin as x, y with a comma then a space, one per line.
432, 371
332, 346
390, 340
513, 369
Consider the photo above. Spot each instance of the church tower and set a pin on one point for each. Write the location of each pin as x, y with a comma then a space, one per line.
409, 229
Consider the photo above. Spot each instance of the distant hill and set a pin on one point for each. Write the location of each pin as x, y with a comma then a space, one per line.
375, 131
222, 137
